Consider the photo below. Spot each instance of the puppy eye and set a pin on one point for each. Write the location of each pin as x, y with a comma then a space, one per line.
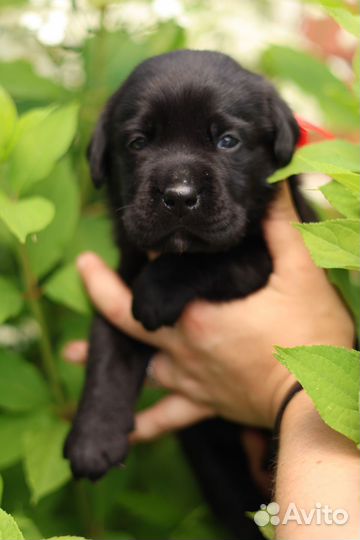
138, 144
227, 142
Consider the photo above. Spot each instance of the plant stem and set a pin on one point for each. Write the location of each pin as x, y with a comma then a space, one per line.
92, 528
82, 495
47, 357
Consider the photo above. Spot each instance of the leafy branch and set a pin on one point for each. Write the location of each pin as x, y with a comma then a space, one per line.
330, 375
47, 357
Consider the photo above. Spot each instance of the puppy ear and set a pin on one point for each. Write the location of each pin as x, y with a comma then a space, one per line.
97, 152
285, 129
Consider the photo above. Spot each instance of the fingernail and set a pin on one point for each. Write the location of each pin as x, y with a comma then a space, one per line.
85, 259
74, 352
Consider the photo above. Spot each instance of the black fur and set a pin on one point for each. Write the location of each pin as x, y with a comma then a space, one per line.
171, 190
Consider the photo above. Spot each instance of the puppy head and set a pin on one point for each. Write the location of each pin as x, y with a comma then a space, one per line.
185, 147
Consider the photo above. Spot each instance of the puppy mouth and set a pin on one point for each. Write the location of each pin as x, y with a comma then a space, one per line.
178, 240
183, 240
185, 236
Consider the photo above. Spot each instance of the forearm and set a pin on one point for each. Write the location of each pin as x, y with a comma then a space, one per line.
316, 466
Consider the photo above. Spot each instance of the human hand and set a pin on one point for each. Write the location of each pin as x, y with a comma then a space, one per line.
218, 359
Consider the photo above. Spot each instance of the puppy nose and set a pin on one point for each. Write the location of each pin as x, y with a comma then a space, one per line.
181, 198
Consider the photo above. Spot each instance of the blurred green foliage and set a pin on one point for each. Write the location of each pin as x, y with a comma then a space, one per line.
49, 213
58, 216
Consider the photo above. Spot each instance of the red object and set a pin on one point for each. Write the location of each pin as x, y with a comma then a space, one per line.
306, 128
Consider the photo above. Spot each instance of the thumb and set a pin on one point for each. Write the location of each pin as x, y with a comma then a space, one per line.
285, 243
172, 413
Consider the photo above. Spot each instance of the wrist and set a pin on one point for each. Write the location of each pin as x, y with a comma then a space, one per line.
303, 427
313, 458
300, 414
304, 433
346, 337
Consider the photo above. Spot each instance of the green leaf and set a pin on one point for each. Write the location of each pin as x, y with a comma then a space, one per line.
62, 190
66, 538
31, 119
94, 233
349, 180
12, 429
327, 3
356, 69
333, 243
340, 153
8, 527
45, 467
330, 375
311, 75
11, 300
65, 287
336, 158
39, 146
341, 199
197, 525
72, 376
21, 81
21, 386
154, 510
349, 289
25, 216
27, 526
8, 119
346, 19
28, 122
1, 488
11, 3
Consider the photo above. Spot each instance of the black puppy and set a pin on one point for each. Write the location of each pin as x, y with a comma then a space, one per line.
185, 148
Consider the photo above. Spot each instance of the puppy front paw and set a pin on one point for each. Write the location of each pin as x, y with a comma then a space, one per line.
155, 306
154, 312
92, 454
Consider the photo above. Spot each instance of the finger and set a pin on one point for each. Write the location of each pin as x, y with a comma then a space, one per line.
284, 241
76, 352
170, 414
150, 380
256, 446
163, 372
114, 299
173, 376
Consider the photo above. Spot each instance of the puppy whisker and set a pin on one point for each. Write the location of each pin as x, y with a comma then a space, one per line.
123, 207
